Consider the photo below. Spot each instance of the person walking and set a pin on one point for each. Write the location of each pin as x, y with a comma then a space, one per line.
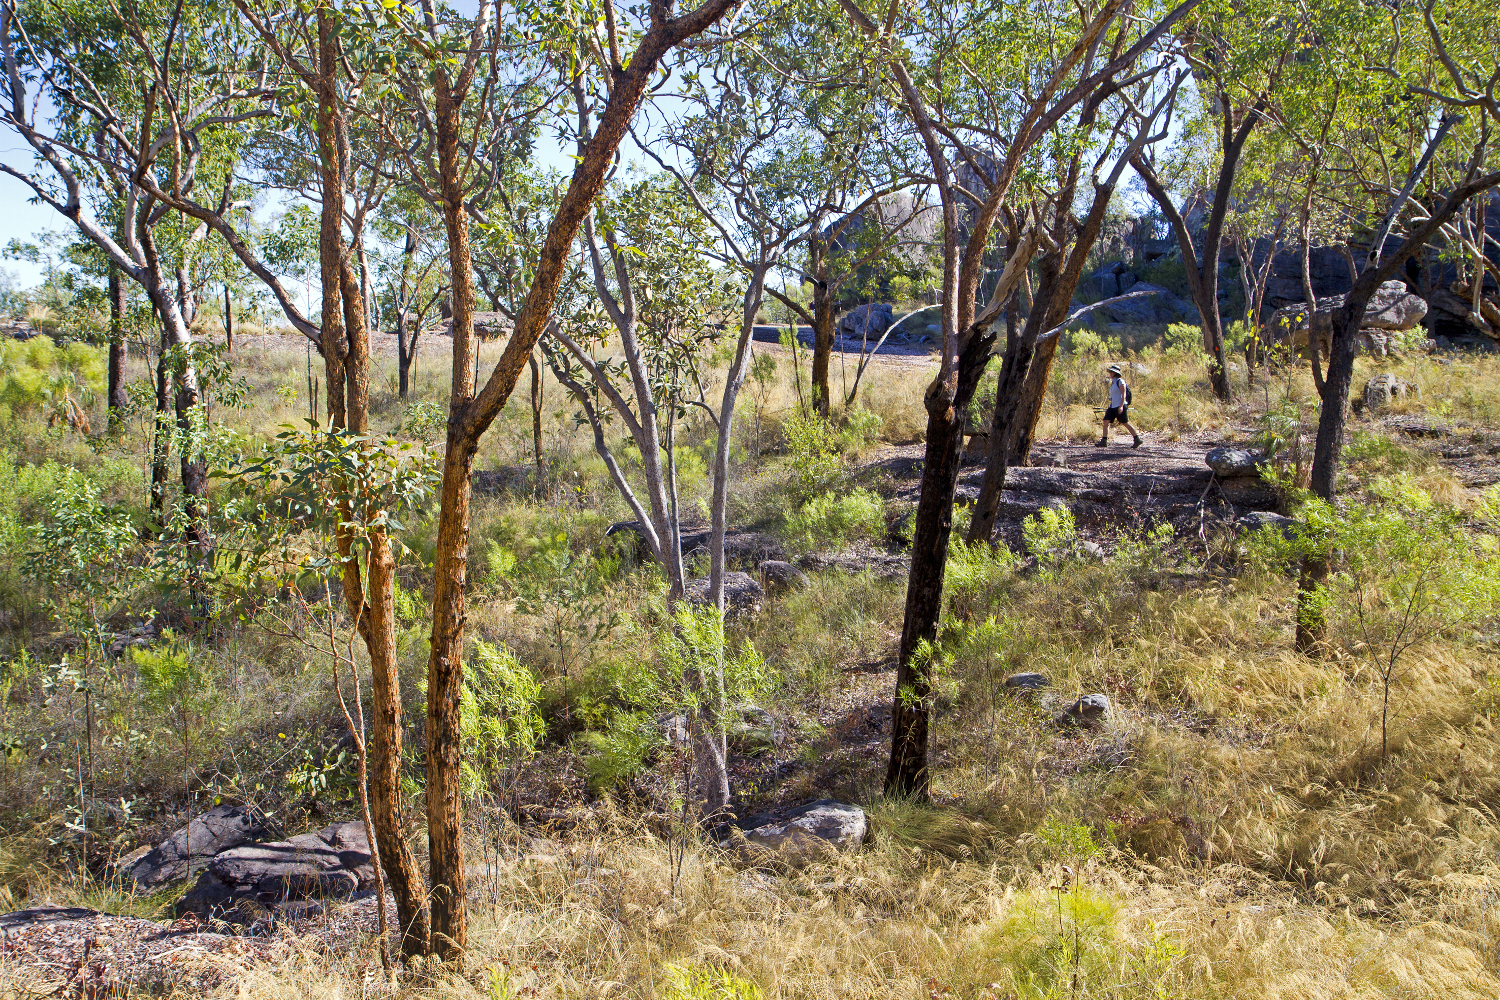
1119, 408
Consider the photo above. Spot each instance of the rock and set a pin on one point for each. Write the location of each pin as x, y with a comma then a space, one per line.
1382, 390
810, 830
219, 829
1091, 549
1026, 683
21, 919
742, 595
1089, 712
866, 322
1139, 368
779, 576
333, 863
1159, 306
1392, 307
1234, 463
1256, 519
673, 729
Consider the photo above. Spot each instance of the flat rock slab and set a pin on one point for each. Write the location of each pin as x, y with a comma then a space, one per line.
69, 951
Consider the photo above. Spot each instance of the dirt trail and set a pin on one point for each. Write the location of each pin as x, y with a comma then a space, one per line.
1105, 488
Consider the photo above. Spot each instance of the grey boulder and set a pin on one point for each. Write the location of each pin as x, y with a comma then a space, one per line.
867, 321
808, 831
779, 576
219, 829
1234, 463
1385, 389
1027, 683
1392, 307
742, 594
1089, 712
245, 883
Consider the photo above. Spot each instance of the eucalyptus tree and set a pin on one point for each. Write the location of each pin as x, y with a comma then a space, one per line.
126, 85
411, 266
738, 199
1066, 242
848, 170
331, 66
657, 292
1022, 72
453, 61
1440, 77
1239, 52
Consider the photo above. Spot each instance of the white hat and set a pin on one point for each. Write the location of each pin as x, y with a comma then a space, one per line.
1114, 369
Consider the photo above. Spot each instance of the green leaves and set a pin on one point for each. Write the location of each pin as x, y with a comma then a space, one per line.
308, 489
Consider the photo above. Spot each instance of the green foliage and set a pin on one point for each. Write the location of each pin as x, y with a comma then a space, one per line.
566, 591
817, 461
1051, 534
708, 982
424, 421
79, 556
332, 777
1183, 340
832, 521
620, 751
500, 726
1059, 944
38, 374
306, 489
1169, 272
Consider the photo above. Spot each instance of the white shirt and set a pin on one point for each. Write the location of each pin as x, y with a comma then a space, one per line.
1117, 391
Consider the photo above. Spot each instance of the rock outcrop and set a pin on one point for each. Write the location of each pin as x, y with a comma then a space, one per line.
219, 829
279, 879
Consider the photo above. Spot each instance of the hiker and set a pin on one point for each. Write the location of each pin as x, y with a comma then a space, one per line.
1119, 408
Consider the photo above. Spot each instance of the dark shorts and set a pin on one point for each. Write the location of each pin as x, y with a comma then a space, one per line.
1120, 413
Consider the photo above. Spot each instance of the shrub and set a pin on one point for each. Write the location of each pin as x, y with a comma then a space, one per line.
831, 520
1183, 340
620, 751
708, 982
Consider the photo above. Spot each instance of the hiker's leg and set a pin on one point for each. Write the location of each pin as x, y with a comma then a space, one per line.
1127, 425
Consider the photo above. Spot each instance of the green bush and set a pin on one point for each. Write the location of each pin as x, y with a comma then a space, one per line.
708, 982
1183, 340
620, 751
831, 520
36, 373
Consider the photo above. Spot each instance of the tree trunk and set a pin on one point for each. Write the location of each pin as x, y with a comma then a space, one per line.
1020, 351
228, 322
378, 625
536, 424
160, 440
822, 336
117, 399
445, 665
907, 775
